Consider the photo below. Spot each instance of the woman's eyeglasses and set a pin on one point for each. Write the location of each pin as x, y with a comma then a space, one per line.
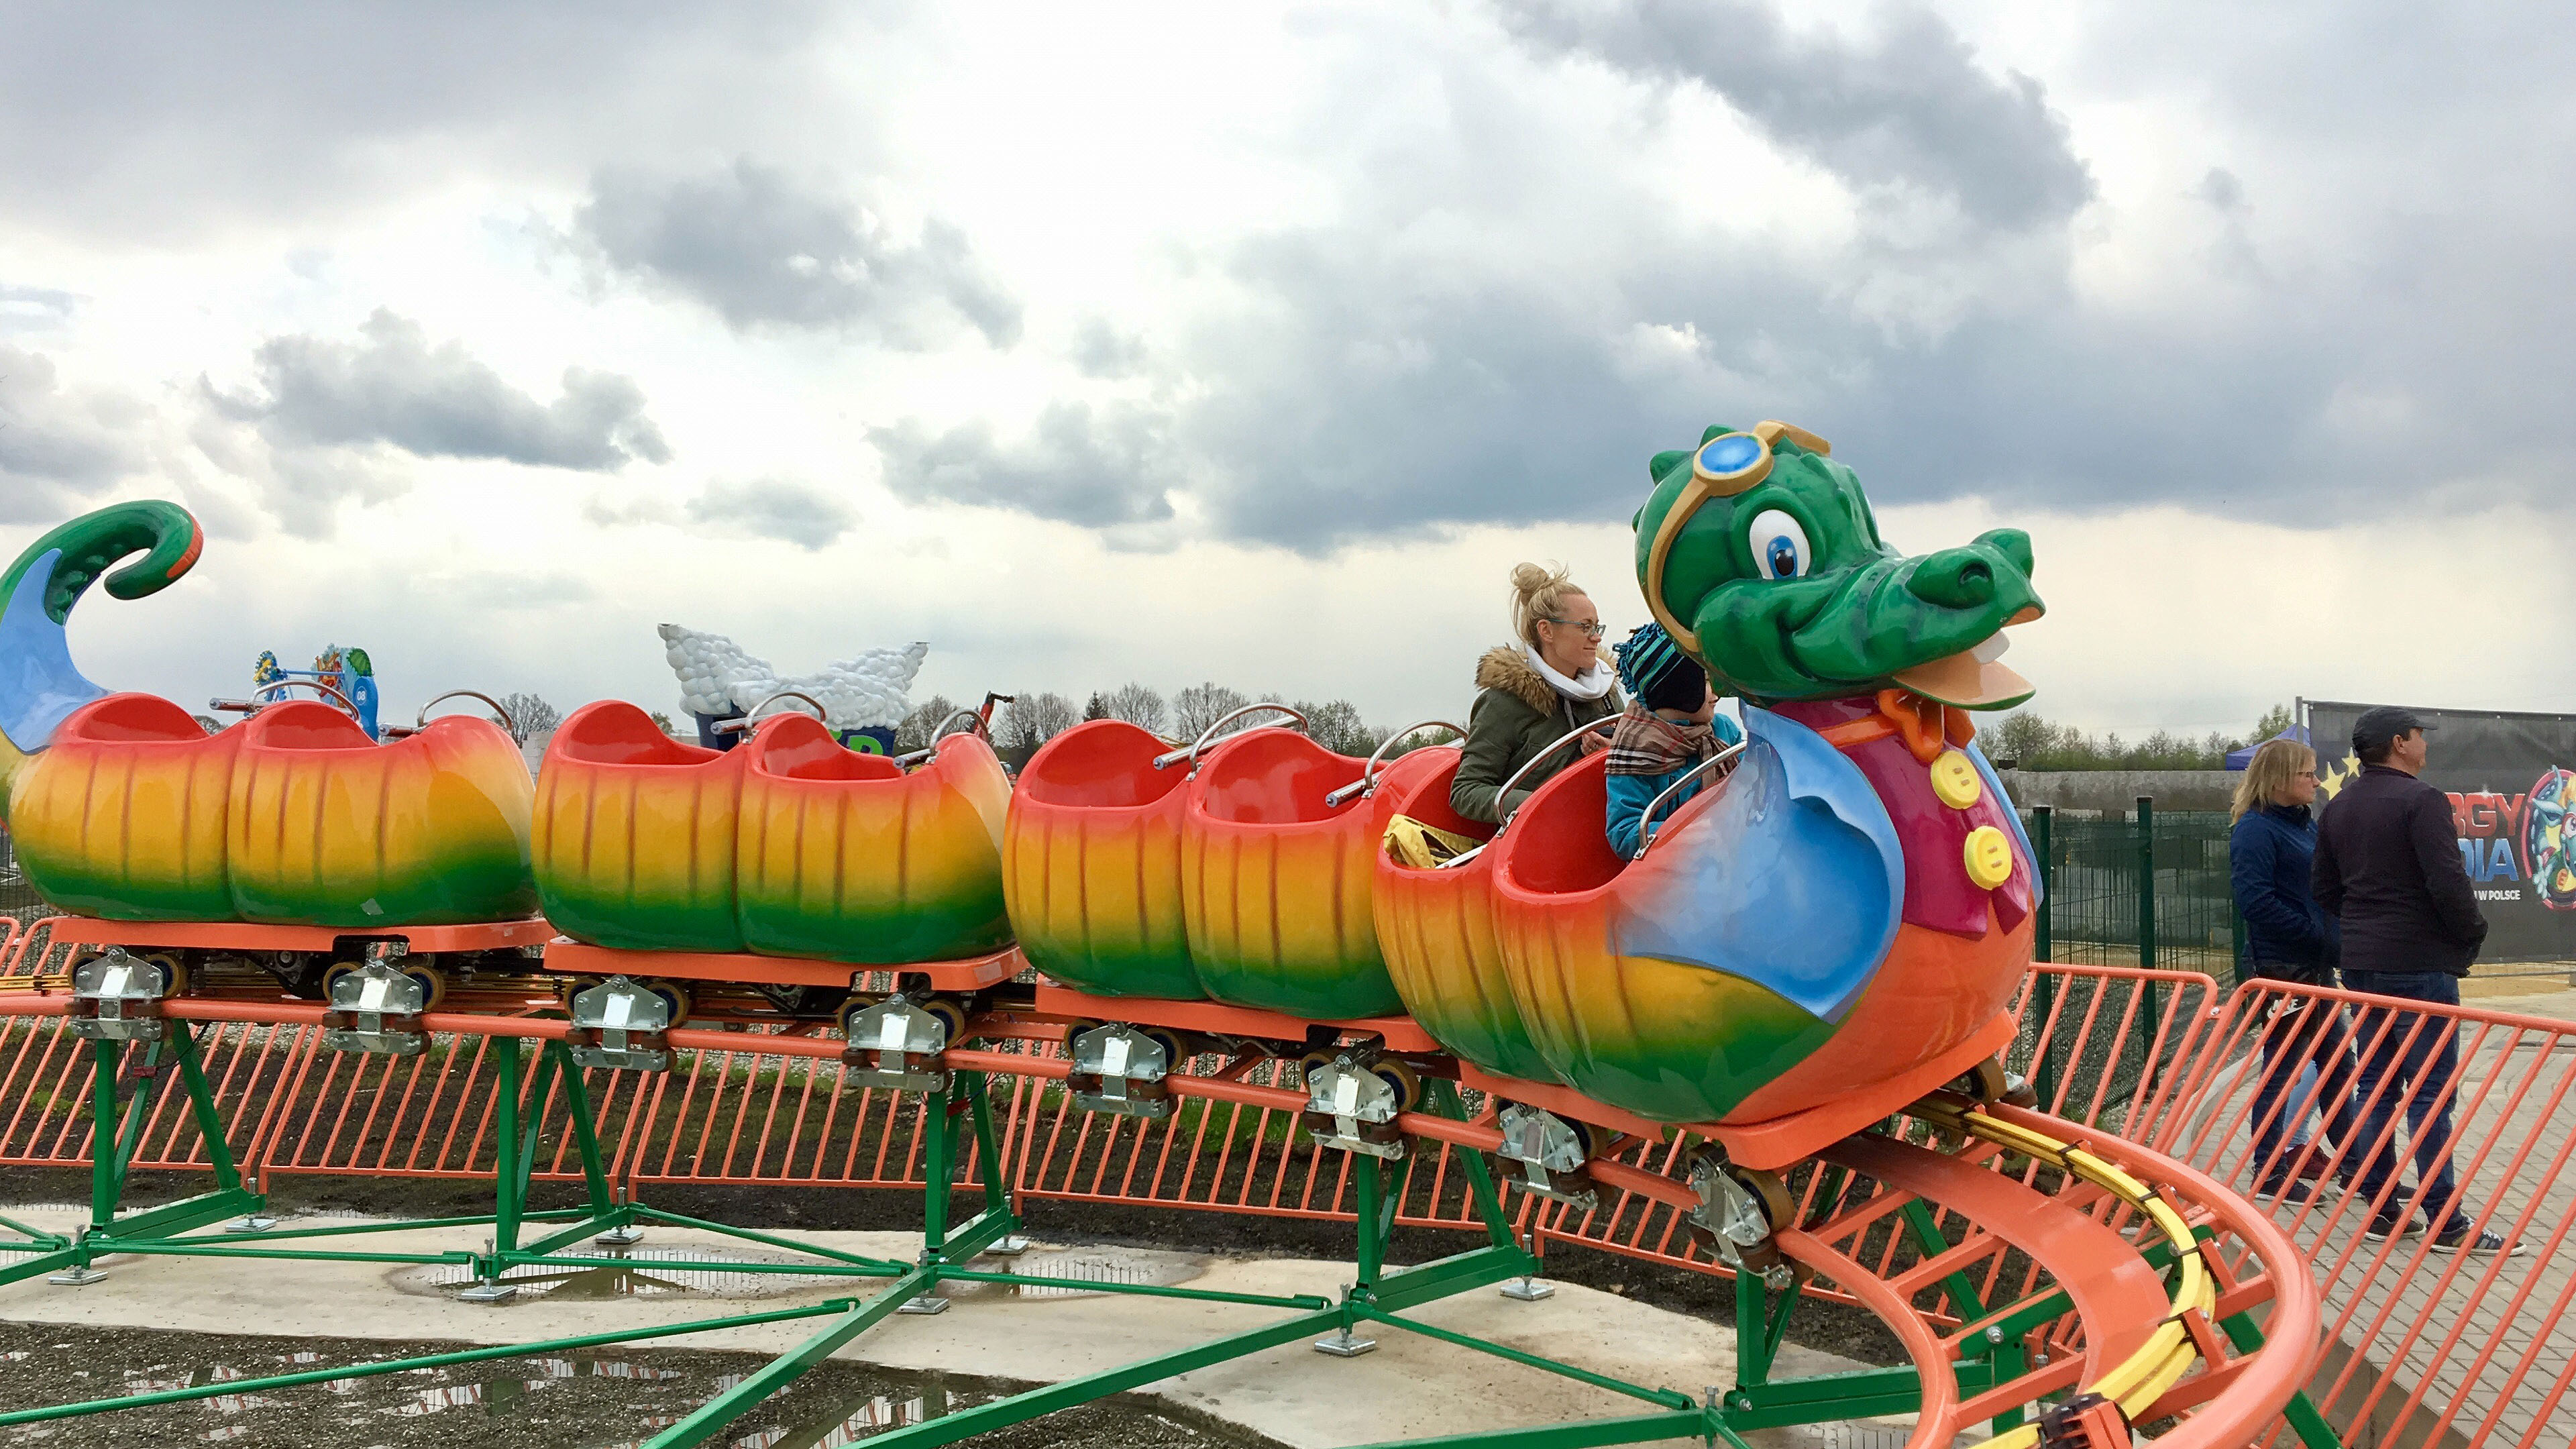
1596, 628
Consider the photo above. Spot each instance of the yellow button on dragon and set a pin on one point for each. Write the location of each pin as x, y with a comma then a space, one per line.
1955, 780
1990, 857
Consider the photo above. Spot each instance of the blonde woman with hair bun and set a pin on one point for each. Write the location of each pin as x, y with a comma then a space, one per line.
1554, 679
2289, 937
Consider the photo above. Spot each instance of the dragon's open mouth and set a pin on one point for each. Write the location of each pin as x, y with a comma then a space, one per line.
1972, 678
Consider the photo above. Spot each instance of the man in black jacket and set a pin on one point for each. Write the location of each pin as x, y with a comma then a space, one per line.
2388, 864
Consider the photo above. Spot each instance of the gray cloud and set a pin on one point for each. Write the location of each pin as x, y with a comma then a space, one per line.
776, 508
747, 241
34, 309
1906, 105
1098, 470
2278, 341
157, 122
60, 447
605, 512
393, 388
1101, 350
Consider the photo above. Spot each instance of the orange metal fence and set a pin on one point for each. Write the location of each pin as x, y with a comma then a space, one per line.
2306, 1088
45, 1076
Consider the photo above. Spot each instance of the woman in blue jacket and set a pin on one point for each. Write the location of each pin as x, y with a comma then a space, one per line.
1670, 727
2289, 937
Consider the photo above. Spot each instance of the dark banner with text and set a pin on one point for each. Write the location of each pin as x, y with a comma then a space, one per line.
2512, 783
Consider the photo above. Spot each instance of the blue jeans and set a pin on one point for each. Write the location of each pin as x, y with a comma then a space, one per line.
2409, 1057
2311, 1036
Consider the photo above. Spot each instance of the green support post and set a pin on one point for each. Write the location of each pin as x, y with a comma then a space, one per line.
2151, 1000
604, 1213
594, 1164
2042, 831
1751, 1367
510, 1189
2146, 882
110, 1144
2043, 843
1442, 1098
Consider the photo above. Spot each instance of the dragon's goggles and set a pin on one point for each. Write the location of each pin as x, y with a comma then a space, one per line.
1723, 467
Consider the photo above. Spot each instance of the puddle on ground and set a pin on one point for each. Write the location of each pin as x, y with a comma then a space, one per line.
606, 1400
651, 1272
648, 1272
1110, 1271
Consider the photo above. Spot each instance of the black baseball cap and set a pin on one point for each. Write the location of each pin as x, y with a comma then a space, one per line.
2386, 722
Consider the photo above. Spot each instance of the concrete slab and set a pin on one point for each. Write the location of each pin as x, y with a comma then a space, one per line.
1411, 1386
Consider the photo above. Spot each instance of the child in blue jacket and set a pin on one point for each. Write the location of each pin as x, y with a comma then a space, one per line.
1671, 725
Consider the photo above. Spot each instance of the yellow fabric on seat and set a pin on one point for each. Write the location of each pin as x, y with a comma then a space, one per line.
1424, 847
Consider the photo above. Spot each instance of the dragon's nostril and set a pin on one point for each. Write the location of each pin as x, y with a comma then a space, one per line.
1954, 579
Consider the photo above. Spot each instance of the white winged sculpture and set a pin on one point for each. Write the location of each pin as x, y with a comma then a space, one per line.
718, 679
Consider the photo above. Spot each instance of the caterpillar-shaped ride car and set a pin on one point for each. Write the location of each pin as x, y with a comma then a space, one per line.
292, 846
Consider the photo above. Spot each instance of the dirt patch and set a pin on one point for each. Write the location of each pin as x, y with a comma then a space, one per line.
602, 1399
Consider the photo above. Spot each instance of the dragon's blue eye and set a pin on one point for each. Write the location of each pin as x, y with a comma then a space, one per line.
1733, 453
1779, 545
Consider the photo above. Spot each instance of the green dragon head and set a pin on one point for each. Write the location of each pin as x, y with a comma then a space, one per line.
1759, 554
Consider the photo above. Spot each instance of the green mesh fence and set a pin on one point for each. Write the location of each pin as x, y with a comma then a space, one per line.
17, 898
2092, 868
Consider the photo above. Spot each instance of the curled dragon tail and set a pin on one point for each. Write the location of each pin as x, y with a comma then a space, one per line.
38, 683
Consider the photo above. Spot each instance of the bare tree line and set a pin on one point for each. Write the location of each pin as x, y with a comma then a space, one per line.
1034, 718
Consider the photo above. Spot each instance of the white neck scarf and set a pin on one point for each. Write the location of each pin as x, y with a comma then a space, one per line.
1591, 684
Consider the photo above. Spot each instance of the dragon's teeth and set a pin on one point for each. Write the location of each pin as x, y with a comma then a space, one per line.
1993, 649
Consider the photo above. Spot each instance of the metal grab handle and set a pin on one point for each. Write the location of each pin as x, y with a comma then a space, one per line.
1606, 722
312, 684
1366, 785
910, 758
509, 725
1166, 761
751, 716
1646, 821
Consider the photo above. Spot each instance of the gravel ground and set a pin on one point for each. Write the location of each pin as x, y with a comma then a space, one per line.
606, 1399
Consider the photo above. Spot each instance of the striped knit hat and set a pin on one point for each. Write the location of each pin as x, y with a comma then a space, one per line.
1658, 673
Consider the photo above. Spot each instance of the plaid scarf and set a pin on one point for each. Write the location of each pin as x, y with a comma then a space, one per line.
1645, 743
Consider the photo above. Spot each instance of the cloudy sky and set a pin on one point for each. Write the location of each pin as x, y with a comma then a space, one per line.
1256, 344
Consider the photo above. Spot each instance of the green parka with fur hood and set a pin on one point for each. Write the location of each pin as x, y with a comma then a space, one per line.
1516, 715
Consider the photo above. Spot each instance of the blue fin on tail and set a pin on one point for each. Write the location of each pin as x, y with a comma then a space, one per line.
39, 684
